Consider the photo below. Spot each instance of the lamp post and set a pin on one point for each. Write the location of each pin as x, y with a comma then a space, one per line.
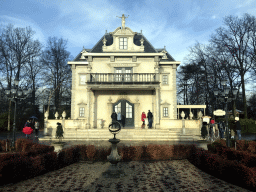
13, 94
225, 95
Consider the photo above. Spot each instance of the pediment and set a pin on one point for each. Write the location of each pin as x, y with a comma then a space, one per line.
81, 103
127, 31
165, 103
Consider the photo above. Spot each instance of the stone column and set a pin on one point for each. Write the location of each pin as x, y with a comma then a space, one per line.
200, 115
183, 122
45, 122
94, 109
110, 110
88, 125
136, 113
157, 117
73, 91
63, 122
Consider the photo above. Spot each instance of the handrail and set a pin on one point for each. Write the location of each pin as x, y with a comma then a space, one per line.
122, 77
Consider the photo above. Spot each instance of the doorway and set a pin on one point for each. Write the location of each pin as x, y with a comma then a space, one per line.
127, 111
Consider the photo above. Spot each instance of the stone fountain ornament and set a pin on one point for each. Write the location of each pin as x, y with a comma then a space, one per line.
113, 170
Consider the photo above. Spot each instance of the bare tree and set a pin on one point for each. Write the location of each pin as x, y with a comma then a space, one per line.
16, 47
58, 73
234, 41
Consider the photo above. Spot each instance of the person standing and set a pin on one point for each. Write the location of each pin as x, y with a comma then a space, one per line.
27, 124
59, 131
123, 120
150, 118
119, 117
220, 129
238, 127
143, 117
211, 133
36, 128
114, 117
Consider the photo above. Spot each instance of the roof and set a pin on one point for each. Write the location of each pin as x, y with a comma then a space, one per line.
148, 48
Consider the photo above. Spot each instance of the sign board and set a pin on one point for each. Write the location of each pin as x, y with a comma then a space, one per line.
219, 112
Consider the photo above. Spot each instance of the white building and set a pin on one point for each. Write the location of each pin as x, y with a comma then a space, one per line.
122, 72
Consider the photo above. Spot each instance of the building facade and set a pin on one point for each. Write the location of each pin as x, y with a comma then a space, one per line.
125, 73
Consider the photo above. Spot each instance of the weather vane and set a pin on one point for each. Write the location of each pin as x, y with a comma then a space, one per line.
123, 20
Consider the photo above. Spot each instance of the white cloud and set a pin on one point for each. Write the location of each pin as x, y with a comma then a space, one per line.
22, 23
245, 3
214, 17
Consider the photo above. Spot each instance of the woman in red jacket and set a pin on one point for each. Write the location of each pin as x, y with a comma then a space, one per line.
143, 117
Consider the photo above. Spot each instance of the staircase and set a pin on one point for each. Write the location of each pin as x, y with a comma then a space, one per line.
129, 134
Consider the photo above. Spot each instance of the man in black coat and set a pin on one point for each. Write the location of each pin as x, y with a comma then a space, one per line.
114, 117
150, 119
238, 127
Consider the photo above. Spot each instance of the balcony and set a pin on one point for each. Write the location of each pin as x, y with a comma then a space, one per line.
123, 78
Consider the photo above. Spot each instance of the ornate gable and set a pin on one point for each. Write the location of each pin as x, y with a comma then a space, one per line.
123, 41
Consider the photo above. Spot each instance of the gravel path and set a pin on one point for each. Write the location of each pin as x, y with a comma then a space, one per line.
175, 175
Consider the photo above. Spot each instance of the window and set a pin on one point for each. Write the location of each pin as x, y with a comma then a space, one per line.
118, 108
128, 110
121, 77
165, 79
123, 43
165, 111
127, 76
118, 77
81, 112
82, 79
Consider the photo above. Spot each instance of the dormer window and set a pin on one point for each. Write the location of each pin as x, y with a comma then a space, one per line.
123, 43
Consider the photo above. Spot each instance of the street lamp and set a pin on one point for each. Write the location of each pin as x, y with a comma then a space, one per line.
225, 95
14, 94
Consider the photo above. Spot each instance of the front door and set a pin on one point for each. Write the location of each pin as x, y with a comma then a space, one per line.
127, 111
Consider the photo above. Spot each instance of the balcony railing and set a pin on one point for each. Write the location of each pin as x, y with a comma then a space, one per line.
123, 78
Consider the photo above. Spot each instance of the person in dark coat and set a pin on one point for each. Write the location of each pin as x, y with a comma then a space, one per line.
238, 127
150, 119
114, 117
123, 120
27, 124
36, 128
59, 131
220, 126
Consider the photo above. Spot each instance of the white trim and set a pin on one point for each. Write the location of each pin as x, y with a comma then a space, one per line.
191, 106
126, 54
78, 62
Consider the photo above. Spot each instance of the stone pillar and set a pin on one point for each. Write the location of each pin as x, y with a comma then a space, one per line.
110, 110
56, 115
137, 114
45, 122
183, 122
94, 110
73, 91
200, 115
157, 117
153, 111
63, 122
191, 115
88, 125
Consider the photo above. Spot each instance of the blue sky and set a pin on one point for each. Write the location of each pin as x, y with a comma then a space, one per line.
174, 24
